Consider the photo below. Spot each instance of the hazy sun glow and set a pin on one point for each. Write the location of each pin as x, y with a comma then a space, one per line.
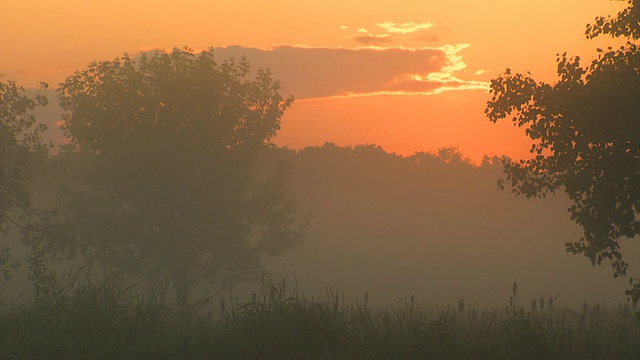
351, 61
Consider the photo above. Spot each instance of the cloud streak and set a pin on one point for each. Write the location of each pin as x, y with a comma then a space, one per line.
366, 37
406, 28
310, 72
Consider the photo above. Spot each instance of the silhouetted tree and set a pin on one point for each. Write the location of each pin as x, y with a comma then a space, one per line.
22, 157
586, 129
161, 160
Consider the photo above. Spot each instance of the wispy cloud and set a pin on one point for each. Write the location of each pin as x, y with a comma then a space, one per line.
364, 37
389, 32
406, 28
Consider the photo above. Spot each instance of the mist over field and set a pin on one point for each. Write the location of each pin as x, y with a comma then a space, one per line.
434, 226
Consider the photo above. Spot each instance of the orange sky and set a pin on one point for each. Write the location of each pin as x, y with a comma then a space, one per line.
454, 47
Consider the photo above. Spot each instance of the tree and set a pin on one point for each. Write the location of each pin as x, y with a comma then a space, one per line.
22, 157
160, 156
586, 132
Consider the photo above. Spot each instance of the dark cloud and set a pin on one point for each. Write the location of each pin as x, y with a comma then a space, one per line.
371, 39
308, 72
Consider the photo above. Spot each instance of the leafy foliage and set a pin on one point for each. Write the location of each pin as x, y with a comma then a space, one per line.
22, 157
626, 23
161, 160
586, 132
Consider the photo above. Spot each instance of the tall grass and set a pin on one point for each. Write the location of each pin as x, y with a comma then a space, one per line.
86, 318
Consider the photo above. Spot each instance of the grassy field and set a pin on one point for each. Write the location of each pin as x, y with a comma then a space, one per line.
89, 319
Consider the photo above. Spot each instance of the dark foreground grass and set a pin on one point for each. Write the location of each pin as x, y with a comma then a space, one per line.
107, 320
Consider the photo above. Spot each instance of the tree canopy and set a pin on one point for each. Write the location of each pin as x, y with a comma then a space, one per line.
161, 162
22, 156
586, 132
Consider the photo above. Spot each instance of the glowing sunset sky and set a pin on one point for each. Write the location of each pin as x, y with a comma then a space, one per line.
409, 75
